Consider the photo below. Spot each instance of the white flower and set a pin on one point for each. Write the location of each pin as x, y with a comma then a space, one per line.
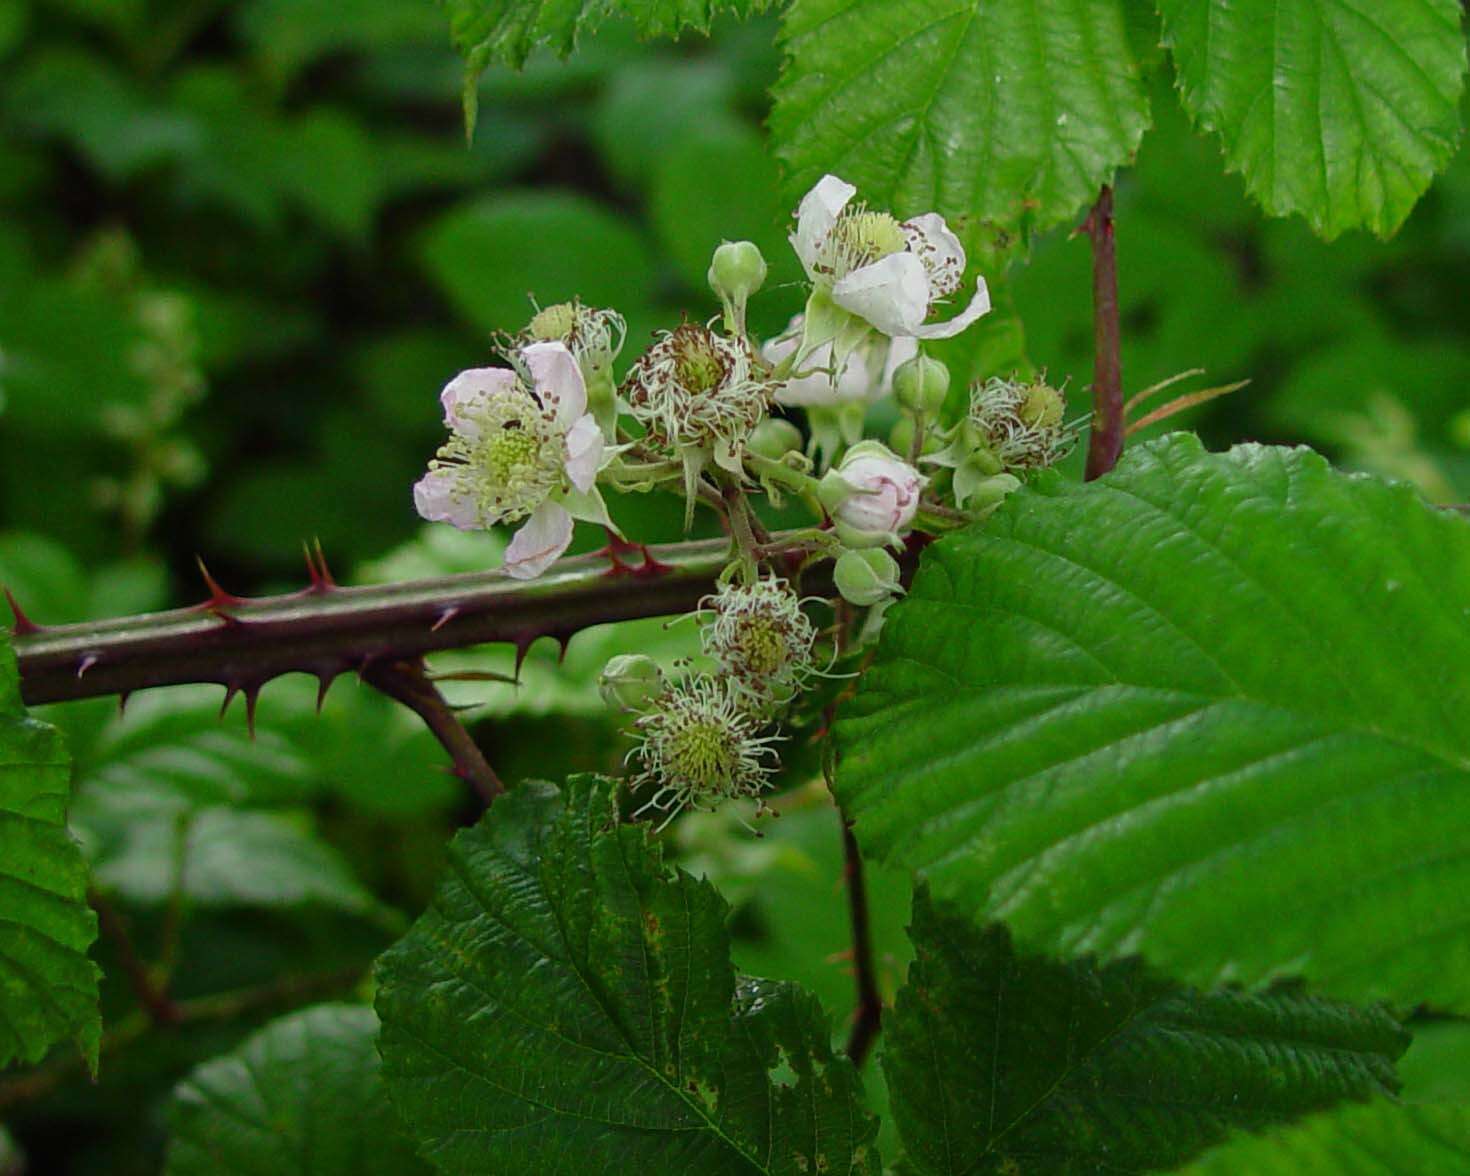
521, 447
892, 274
872, 495
866, 376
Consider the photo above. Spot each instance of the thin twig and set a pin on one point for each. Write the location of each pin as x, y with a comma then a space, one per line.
406, 682
153, 998
1106, 443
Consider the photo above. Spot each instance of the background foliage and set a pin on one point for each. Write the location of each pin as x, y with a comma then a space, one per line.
243, 245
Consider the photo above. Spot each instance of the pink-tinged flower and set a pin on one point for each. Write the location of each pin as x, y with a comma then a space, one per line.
522, 448
872, 495
865, 377
890, 273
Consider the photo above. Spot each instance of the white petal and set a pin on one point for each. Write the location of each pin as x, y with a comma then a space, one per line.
539, 542
558, 380
441, 497
815, 217
584, 452
468, 389
939, 249
892, 293
979, 305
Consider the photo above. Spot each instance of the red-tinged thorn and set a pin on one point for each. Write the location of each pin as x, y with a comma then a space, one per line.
562, 641
445, 616
523, 647
230, 691
122, 702
327, 580
650, 567
323, 684
252, 696
219, 599
23, 624
87, 663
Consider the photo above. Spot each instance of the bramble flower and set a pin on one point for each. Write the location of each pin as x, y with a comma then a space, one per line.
700, 745
760, 638
522, 449
889, 273
872, 495
699, 398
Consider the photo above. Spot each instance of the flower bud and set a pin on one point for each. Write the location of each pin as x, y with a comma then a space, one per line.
737, 270
630, 682
881, 495
774, 438
867, 576
921, 384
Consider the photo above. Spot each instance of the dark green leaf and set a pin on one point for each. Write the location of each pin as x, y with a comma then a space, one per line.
568, 1002
1003, 1063
48, 986
303, 1097
1014, 111
1378, 1140
1210, 708
1341, 110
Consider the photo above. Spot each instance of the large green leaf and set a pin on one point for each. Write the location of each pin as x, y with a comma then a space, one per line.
48, 986
1012, 110
1003, 1063
1341, 110
1378, 1140
568, 1003
302, 1097
507, 30
1212, 708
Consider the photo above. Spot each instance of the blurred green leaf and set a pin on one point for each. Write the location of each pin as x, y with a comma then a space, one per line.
48, 986
1011, 1064
302, 1097
586, 1013
650, 106
1437, 1067
1014, 111
486, 256
1384, 1138
292, 34
1326, 111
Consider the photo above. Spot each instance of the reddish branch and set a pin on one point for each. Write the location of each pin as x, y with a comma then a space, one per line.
1106, 443
868, 1017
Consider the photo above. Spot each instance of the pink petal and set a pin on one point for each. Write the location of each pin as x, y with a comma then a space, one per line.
441, 497
470, 388
584, 452
539, 542
558, 380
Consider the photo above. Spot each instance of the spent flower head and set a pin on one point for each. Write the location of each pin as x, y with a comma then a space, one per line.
760, 638
699, 745
1021, 423
522, 449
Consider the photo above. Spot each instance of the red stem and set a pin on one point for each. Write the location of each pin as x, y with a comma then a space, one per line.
1106, 443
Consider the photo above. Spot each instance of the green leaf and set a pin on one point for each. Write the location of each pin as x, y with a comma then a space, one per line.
1014, 111
1003, 1063
48, 986
1382, 1139
1208, 709
1437, 1067
1340, 110
507, 30
302, 1097
567, 1002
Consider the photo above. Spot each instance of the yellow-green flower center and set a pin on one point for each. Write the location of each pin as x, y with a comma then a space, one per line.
510, 458
861, 237
765, 647
701, 754
510, 454
698, 367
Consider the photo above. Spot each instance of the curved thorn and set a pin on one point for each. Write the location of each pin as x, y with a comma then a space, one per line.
87, 663
445, 616
219, 599
323, 684
230, 691
252, 696
23, 624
